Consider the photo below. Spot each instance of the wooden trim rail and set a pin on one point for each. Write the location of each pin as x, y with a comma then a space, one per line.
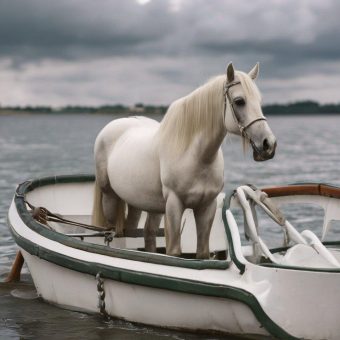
303, 189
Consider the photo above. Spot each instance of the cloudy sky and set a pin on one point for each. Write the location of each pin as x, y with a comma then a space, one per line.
126, 51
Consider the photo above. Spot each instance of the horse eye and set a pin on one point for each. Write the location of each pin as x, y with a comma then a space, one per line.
239, 101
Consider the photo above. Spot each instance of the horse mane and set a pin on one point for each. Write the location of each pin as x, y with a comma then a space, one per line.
200, 111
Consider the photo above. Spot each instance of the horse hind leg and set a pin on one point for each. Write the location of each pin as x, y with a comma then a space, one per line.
109, 208
110, 202
133, 218
150, 231
114, 211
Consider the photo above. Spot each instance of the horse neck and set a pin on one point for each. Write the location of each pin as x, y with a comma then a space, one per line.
211, 137
197, 121
207, 148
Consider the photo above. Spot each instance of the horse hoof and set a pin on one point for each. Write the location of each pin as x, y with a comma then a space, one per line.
174, 254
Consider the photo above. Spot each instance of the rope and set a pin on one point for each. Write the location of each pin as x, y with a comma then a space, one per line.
43, 215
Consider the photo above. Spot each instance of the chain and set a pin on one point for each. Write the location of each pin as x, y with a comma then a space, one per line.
101, 296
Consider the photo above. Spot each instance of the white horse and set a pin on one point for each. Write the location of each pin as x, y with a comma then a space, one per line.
176, 164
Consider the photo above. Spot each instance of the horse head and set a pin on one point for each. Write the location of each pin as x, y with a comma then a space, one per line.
243, 113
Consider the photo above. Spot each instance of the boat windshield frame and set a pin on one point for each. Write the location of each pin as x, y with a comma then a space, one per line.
295, 189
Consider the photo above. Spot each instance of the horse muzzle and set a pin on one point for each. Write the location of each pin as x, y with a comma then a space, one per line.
265, 151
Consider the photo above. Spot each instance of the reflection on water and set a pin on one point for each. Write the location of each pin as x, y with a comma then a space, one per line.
45, 145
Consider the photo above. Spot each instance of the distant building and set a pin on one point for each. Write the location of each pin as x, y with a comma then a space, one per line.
137, 108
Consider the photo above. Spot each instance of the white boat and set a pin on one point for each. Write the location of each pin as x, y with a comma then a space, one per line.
250, 290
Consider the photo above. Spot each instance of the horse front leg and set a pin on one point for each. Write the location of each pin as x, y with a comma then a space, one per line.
204, 217
172, 224
150, 231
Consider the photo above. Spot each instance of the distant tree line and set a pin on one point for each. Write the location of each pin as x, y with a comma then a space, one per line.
302, 107
109, 109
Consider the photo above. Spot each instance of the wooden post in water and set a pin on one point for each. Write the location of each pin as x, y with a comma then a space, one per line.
14, 274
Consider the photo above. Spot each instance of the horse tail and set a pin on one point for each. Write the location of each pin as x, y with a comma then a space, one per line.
98, 218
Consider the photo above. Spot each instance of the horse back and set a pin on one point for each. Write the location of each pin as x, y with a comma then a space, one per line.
111, 133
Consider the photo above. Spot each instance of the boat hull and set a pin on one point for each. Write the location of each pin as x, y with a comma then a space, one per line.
231, 296
142, 304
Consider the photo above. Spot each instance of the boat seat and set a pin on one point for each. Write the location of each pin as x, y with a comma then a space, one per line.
302, 255
308, 250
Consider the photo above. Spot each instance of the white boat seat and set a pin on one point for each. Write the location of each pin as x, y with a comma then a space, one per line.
302, 255
308, 250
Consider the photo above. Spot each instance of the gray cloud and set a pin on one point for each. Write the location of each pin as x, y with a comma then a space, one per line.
97, 52
79, 29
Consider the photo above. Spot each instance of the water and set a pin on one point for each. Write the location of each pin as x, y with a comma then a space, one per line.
44, 145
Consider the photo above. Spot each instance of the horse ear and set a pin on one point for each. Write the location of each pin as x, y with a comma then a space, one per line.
254, 72
230, 72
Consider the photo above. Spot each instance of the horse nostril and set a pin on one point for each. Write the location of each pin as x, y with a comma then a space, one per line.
266, 145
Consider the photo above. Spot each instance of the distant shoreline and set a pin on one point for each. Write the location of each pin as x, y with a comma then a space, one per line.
150, 114
297, 108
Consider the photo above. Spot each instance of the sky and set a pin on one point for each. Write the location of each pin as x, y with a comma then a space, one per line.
86, 52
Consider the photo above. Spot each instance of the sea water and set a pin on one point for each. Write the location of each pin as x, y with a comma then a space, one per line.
49, 144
